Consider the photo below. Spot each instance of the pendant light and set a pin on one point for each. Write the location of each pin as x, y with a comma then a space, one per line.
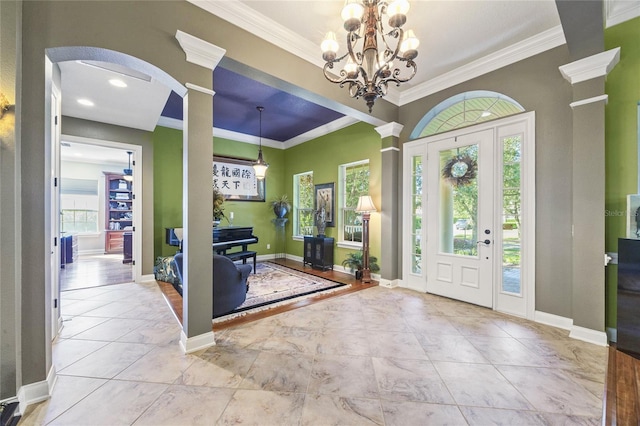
259, 165
128, 173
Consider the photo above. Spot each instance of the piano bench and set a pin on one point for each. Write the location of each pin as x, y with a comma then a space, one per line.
244, 255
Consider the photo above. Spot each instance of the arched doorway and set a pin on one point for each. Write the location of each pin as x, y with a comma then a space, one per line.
115, 62
469, 221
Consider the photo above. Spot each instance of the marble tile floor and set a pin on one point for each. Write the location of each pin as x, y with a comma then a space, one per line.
375, 357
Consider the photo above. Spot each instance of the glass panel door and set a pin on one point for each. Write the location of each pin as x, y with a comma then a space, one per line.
511, 215
416, 215
459, 201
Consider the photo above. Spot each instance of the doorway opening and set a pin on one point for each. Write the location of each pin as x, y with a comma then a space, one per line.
96, 215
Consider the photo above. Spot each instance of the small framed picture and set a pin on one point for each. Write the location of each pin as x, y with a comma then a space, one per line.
633, 216
325, 197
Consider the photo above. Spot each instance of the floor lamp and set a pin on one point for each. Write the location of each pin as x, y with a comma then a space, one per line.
365, 206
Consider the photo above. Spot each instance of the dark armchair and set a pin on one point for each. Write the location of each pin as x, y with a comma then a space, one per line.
229, 283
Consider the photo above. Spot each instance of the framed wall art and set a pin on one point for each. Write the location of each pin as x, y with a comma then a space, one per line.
325, 197
237, 180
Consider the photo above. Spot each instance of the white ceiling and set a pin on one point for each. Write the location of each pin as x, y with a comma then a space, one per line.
458, 40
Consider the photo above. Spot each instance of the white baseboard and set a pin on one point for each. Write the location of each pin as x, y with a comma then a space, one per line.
36, 392
264, 257
90, 252
294, 258
588, 335
613, 334
196, 343
147, 278
575, 332
389, 283
553, 320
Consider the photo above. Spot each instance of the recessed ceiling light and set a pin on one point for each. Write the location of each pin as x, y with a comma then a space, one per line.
85, 102
117, 82
485, 114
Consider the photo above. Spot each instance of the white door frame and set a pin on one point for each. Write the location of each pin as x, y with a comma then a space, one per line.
523, 124
55, 118
138, 189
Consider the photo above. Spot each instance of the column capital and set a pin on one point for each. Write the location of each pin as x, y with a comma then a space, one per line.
389, 129
598, 65
200, 52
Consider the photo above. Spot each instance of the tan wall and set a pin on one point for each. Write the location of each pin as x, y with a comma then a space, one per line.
538, 86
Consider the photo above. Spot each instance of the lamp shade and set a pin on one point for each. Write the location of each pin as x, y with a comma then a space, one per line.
365, 204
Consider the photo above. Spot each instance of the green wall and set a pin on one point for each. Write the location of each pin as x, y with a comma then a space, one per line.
621, 135
323, 156
168, 189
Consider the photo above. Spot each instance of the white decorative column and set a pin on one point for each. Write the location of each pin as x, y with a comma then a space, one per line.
588, 299
197, 158
390, 200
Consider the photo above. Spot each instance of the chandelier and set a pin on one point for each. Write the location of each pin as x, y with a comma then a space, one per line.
368, 71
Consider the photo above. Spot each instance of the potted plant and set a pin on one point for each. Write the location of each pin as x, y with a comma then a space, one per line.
281, 206
354, 261
218, 208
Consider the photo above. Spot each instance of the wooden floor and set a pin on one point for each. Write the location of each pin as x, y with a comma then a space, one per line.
94, 271
621, 404
175, 300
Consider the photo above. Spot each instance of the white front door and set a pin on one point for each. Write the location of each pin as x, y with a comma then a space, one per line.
469, 215
460, 217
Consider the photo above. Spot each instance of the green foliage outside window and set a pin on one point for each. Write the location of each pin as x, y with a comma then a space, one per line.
79, 221
303, 205
356, 183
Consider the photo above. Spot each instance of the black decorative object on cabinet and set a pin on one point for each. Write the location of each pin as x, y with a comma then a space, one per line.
318, 252
628, 328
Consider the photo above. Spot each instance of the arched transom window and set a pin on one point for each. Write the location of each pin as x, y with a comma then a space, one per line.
465, 109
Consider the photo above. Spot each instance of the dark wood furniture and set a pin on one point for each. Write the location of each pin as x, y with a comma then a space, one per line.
118, 211
628, 324
318, 252
228, 237
128, 247
68, 249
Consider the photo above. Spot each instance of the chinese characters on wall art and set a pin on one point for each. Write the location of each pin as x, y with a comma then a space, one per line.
236, 179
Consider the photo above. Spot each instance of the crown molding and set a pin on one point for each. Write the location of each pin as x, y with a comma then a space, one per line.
333, 126
618, 11
590, 67
535, 45
200, 52
242, 16
389, 129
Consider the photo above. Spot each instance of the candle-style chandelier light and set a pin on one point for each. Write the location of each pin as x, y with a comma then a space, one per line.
368, 70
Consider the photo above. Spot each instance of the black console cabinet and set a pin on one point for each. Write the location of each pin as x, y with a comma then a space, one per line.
318, 252
628, 332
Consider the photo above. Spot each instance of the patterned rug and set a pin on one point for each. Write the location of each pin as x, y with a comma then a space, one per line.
273, 285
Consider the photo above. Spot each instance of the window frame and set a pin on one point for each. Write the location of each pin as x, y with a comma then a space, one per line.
342, 174
296, 234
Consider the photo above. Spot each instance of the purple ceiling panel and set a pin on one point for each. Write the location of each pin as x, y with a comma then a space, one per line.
285, 116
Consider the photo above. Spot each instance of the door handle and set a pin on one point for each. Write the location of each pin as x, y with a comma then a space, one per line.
485, 242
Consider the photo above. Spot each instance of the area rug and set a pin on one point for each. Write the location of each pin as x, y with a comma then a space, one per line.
274, 285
